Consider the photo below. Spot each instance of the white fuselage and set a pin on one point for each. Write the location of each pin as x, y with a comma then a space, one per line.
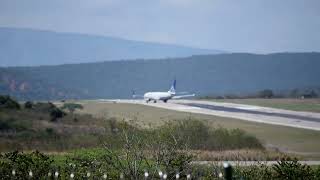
164, 96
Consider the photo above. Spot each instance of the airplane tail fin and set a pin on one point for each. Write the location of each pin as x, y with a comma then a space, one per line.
172, 90
134, 95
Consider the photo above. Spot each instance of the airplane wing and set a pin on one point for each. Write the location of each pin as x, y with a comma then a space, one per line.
183, 96
183, 92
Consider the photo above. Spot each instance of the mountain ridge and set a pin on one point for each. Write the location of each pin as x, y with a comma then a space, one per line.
29, 47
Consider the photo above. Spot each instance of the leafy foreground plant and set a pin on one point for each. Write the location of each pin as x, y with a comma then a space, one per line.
286, 168
292, 169
15, 164
133, 164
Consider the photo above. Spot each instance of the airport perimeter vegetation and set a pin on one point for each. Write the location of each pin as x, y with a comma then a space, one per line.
280, 138
285, 139
117, 115
47, 127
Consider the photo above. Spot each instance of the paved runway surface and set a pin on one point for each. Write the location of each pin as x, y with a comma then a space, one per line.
229, 109
306, 120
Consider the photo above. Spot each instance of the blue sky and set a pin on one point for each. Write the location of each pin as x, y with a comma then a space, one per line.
258, 26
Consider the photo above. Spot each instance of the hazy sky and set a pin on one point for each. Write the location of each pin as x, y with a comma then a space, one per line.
260, 26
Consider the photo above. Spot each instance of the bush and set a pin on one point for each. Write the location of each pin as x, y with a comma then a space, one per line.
71, 107
253, 172
81, 162
12, 124
197, 135
8, 103
267, 93
191, 133
56, 113
139, 154
22, 164
28, 105
133, 161
291, 169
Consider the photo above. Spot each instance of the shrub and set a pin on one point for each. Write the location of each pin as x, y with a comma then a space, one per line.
8, 102
56, 113
253, 172
267, 93
197, 135
291, 169
81, 162
22, 164
139, 155
13, 124
317, 172
191, 133
28, 105
133, 160
71, 107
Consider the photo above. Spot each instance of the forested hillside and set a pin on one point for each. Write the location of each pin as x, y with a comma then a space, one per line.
206, 74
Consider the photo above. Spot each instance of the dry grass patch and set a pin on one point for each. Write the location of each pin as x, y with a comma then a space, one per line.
286, 139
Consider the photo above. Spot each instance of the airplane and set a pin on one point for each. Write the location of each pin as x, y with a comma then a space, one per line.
163, 96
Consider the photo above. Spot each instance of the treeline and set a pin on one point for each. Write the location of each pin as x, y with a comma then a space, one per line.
304, 93
6, 102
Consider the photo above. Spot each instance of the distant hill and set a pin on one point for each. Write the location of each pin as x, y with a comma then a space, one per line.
26, 47
205, 74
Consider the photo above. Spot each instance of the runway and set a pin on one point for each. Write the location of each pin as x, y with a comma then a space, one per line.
305, 120
249, 111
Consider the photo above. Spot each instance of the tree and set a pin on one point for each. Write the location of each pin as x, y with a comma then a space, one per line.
28, 105
8, 102
56, 113
267, 93
313, 94
294, 93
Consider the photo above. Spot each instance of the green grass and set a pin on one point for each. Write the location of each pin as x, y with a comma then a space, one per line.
286, 139
309, 105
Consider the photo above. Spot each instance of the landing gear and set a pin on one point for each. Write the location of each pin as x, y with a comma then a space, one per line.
165, 101
148, 100
154, 101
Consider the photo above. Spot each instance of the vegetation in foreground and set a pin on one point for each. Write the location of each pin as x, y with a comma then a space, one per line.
133, 162
279, 138
127, 151
50, 128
